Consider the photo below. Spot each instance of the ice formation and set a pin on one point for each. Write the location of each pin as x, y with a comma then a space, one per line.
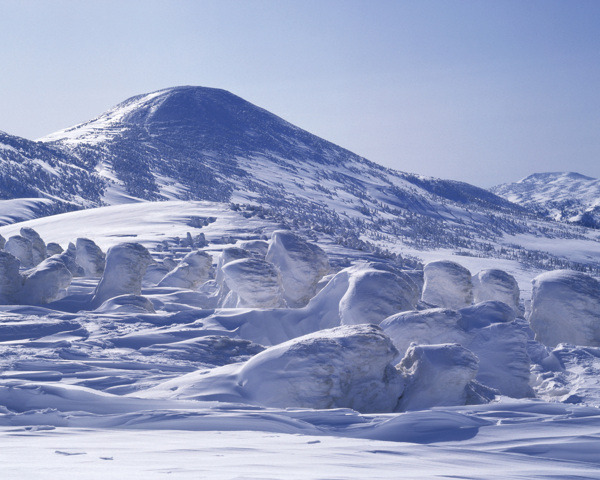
125, 267
436, 375
11, 280
447, 285
565, 308
252, 283
190, 273
46, 283
90, 257
21, 248
374, 295
494, 284
69, 258
38, 247
53, 249
301, 264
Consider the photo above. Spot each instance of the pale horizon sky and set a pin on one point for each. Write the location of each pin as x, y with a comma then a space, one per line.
485, 92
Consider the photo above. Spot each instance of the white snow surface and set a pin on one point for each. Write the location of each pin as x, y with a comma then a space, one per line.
162, 383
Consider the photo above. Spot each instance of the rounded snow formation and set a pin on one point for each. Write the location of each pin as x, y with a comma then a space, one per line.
487, 329
125, 268
69, 258
53, 249
374, 295
252, 283
126, 304
2, 242
11, 280
343, 367
565, 308
498, 285
46, 283
38, 247
90, 257
190, 273
257, 248
447, 285
229, 254
436, 375
21, 248
301, 264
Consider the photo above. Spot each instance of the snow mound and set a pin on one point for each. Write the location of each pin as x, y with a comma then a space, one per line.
489, 330
11, 280
447, 285
301, 264
190, 273
38, 247
565, 308
126, 304
125, 267
90, 257
494, 284
256, 248
21, 248
253, 283
374, 295
69, 258
343, 367
46, 283
436, 375
53, 248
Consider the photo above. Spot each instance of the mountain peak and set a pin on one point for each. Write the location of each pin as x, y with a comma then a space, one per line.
553, 176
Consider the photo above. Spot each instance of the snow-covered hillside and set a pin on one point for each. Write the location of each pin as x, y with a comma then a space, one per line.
564, 196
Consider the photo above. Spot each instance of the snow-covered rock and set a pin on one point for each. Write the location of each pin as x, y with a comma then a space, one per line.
301, 264
21, 248
38, 247
190, 273
46, 283
90, 257
11, 281
253, 283
447, 285
125, 267
494, 284
436, 375
565, 308
374, 295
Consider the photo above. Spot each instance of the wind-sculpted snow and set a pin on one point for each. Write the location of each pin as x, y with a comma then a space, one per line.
90, 257
38, 247
176, 363
253, 283
498, 285
46, 283
345, 367
21, 248
190, 273
447, 285
125, 268
565, 308
11, 281
436, 375
302, 265
374, 295
489, 330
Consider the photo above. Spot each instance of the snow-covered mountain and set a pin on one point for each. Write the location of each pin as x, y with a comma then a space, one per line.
563, 196
51, 181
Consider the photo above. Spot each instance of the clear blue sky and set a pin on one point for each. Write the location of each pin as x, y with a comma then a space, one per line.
485, 91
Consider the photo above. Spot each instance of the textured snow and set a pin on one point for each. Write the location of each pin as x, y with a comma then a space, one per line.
565, 308
447, 285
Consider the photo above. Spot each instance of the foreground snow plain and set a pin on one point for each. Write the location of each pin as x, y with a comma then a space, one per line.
74, 386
